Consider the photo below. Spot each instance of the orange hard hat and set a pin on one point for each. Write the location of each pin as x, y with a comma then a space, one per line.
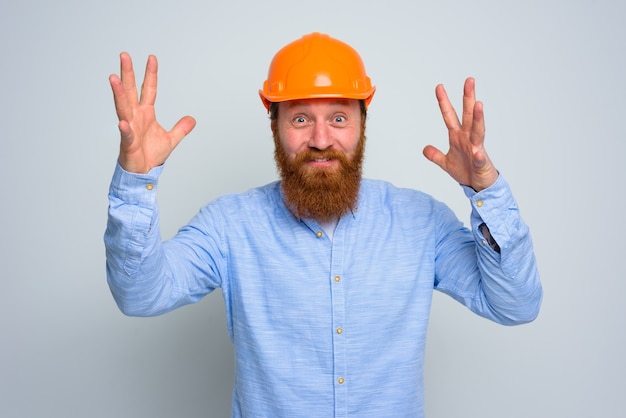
316, 66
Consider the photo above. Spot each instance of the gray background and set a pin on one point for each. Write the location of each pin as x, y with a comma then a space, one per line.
551, 74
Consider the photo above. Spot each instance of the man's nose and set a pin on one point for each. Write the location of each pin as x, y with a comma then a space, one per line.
320, 137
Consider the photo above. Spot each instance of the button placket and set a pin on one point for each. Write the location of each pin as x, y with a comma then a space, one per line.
337, 286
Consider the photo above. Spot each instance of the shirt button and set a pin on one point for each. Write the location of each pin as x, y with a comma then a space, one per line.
319, 234
484, 242
149, 186
341, 380
479, 203
337, 279
339, 330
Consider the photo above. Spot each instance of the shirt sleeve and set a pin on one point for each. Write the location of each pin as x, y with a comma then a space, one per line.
144, 276
500, 282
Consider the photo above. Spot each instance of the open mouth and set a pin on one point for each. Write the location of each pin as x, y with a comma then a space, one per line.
322, 162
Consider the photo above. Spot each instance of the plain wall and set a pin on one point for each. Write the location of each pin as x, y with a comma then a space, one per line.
552, 77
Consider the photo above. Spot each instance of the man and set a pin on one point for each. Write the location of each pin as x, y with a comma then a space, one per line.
327, 278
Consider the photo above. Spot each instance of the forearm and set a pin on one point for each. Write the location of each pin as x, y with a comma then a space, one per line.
510, 289
136, 270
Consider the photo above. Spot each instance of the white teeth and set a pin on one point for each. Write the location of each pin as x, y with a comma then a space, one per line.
321, 160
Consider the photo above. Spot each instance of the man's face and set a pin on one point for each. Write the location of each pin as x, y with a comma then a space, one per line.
319, 153
319, 124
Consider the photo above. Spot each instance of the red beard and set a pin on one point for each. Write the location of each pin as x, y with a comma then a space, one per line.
322, 194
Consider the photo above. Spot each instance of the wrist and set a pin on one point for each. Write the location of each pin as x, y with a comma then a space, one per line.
485, 181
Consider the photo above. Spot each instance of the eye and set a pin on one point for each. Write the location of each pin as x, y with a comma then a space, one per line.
299, 120
339, 119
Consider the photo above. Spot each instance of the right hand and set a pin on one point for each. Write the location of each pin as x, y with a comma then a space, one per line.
144, 144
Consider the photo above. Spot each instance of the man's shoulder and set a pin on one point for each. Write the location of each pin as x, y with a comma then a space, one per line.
383, 198
266, 194
382, 189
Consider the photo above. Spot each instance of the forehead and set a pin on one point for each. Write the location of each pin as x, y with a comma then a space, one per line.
319, 103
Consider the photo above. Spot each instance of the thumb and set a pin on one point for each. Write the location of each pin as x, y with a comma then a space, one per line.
126, 133
182, 129
433, 154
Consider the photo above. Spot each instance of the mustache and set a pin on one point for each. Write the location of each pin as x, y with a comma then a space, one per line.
313, 154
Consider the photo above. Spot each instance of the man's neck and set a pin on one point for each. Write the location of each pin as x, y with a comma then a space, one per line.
329, 226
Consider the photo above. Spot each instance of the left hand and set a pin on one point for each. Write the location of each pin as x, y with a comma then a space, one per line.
467, 160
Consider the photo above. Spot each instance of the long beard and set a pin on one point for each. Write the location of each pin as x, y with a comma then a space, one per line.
320, 194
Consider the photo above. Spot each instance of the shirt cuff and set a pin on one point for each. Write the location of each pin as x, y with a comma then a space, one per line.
133, 188
496, 207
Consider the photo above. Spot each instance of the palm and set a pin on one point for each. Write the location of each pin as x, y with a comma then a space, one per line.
467, 160
144, 144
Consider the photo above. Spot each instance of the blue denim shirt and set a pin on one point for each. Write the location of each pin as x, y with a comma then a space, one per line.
321, 327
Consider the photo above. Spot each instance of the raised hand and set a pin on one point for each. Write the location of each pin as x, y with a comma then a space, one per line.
467, 160
144, 144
